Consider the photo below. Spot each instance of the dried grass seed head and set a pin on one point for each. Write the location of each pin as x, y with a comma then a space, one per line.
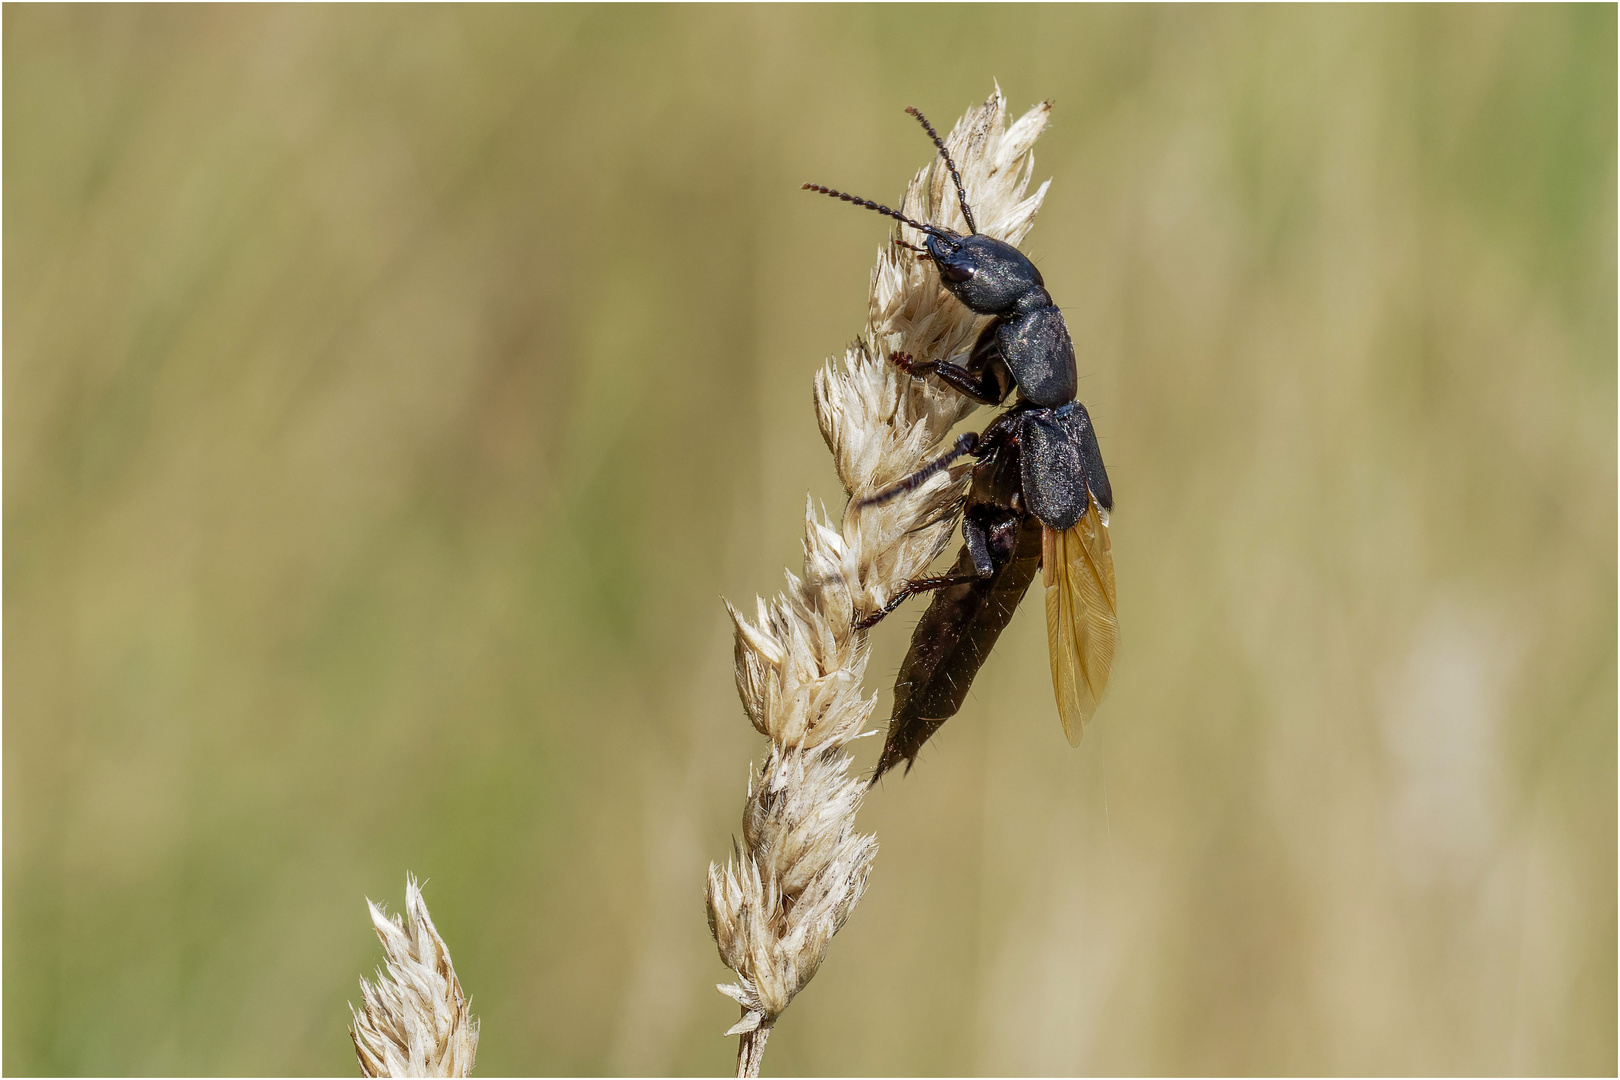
800, 866
415, 1020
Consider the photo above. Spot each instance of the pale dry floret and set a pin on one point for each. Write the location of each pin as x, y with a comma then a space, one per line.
800, 866
414, 1021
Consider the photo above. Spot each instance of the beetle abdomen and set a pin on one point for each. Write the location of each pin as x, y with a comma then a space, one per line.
950, 644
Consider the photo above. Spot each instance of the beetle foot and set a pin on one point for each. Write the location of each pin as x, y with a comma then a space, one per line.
866, 622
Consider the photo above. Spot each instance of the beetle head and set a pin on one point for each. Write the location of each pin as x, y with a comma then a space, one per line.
989, 276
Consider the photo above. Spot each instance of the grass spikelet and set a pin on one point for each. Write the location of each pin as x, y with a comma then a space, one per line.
415, 1020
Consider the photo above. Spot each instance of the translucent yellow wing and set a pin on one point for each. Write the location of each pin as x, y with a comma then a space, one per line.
1082, 626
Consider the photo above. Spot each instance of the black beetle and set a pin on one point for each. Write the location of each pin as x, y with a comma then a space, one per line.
1039, 495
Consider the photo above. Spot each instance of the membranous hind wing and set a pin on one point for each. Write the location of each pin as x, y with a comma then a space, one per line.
1082, 623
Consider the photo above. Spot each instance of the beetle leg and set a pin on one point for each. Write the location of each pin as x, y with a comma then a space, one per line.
966, 443
986, 378
910, 589
983, 545
986, 389
978, 540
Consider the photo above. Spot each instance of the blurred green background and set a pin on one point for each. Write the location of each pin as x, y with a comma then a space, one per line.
392, 393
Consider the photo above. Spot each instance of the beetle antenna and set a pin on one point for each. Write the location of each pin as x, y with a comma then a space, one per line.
961, 196
930, 230
965, 444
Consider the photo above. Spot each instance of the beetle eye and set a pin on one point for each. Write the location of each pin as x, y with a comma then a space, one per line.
954, 272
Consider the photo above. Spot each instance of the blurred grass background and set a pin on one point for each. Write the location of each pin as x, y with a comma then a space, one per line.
391, 394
